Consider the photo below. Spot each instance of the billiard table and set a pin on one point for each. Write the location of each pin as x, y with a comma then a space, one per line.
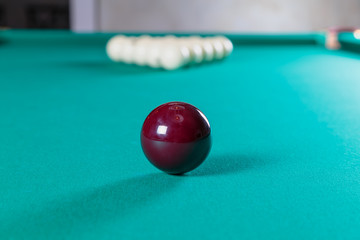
284, 164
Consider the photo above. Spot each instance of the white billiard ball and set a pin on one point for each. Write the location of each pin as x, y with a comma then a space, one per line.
173, 55
115, 47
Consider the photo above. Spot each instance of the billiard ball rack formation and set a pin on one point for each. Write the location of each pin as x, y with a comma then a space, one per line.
168, 52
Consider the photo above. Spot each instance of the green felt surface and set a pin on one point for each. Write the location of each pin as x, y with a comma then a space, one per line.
285, 160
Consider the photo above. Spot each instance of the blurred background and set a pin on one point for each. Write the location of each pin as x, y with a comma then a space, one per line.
174, 15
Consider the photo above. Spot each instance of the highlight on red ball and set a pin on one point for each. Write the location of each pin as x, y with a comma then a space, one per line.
175, 137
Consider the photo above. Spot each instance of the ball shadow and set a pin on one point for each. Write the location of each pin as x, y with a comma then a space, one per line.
120, 69
227, 164
78, 213
3, 41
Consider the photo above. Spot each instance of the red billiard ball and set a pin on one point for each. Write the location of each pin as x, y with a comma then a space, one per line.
175, 137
